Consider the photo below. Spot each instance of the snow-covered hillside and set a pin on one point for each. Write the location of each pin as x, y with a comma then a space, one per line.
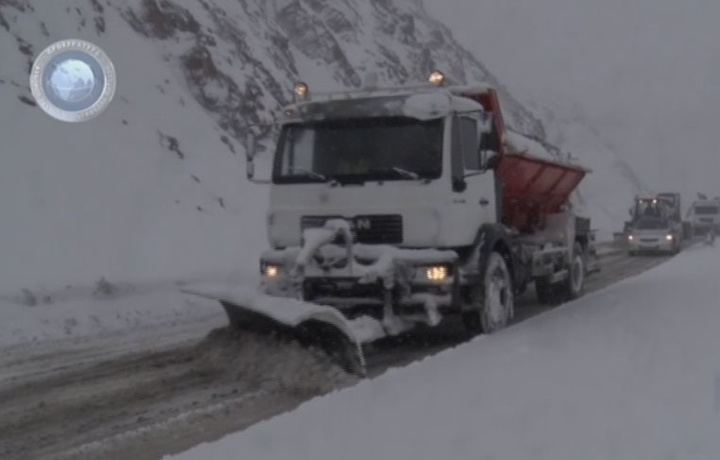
155, 187
631, 372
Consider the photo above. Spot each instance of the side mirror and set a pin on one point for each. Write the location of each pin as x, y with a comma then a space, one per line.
250, 153
630, 211
488, 147
459, 185
489, 159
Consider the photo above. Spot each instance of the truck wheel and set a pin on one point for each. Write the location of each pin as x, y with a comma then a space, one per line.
575, 283
493, 303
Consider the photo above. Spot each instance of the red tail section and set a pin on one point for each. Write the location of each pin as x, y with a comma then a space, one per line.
533, 187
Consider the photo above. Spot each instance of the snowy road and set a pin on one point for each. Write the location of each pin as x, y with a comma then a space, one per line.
94, 401
162, 389
616, 266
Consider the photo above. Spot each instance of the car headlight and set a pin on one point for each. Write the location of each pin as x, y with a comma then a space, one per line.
669, 237
631, 237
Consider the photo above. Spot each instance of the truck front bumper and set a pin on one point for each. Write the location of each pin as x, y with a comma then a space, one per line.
379, 281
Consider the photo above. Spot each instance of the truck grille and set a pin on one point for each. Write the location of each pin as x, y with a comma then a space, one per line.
368, 229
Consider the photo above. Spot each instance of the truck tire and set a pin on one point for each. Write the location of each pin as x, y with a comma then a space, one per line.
493, 302
574, 286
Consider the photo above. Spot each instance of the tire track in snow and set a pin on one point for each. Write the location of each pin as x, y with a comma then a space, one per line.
82, 410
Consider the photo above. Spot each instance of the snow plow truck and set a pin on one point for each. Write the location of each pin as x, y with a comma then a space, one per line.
396, 208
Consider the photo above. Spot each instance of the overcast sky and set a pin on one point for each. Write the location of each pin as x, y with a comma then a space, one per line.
646, 71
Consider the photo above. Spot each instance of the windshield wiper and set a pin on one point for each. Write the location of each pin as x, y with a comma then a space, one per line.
314, 175
404, 173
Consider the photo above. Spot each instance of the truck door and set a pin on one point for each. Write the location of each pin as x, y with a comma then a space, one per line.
479, 189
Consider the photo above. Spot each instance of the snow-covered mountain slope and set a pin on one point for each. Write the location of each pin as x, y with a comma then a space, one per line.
155, 188
623, 374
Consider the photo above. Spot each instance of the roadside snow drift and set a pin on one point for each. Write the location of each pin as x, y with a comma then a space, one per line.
83, 312
632, 373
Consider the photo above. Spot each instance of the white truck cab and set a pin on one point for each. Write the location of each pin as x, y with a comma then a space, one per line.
386, 163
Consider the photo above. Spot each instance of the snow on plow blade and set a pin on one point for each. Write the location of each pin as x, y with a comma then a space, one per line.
311, 324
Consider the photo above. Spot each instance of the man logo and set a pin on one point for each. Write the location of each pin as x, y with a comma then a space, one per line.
73, 80
361, 223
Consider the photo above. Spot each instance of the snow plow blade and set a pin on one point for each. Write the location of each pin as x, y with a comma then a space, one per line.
310, 324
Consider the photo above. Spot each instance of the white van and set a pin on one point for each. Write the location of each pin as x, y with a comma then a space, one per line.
704, 215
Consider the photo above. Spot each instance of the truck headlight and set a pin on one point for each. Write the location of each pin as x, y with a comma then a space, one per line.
438, 273
437, 78
669, 237
631, 238
270, 271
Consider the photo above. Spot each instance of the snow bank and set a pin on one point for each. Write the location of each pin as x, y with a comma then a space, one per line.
631, 372
79, 312
44, 315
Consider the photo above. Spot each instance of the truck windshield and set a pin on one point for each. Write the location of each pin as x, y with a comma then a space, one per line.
707, 210
647, 208
357, 150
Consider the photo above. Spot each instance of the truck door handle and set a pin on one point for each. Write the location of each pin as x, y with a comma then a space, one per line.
484, 202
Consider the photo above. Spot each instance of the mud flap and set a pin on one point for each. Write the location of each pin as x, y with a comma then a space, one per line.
310, 324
